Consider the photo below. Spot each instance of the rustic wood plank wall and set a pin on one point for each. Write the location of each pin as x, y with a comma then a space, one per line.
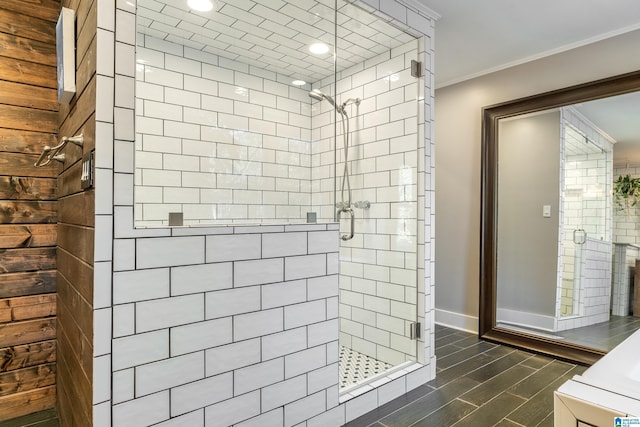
28, 207
76, 209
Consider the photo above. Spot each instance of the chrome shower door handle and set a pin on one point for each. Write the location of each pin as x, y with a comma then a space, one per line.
352, 222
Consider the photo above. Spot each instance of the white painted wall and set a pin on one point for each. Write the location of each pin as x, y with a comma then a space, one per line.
457, 135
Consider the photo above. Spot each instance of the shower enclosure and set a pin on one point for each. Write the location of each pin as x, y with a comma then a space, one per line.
276, 112
584, 286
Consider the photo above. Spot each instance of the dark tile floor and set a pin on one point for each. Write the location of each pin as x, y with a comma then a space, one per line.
604, 335
478, 384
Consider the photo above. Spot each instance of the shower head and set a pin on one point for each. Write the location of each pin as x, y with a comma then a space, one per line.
317, 95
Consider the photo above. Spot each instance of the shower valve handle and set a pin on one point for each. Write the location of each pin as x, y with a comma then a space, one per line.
351, 222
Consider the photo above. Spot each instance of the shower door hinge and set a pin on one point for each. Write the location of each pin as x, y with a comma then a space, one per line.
414, 330
416, 68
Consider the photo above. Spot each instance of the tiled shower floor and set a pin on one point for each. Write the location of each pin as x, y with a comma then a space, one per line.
356, 367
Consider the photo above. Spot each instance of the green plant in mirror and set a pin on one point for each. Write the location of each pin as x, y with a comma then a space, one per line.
626, 191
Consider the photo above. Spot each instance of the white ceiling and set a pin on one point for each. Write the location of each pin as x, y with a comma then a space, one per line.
476, 37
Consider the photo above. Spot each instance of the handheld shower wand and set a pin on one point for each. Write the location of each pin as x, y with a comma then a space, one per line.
319, 96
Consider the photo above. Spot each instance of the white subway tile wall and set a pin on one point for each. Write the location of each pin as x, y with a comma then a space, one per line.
595, 298
587, 173
214, 143
247, 346
237, 365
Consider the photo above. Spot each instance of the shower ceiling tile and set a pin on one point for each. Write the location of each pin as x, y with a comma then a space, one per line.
273, 34
234, 12
185, 16
272, 15
188, 43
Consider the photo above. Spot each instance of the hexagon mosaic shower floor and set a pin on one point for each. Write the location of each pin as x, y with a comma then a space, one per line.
356, 367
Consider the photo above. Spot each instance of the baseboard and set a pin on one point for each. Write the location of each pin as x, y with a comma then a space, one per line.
527, 320
458, 321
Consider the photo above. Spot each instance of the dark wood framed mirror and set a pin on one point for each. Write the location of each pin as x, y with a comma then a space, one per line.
489, 329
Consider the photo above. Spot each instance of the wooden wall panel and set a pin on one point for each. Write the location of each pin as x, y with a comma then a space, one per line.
27, 212
41, 9
12, 46
28, 207
18, 165
27, 402
26, 308
27, 236
28, 331
31, 283
76, 211
27, 188
24, 356
11, 23
29, 72
28, 378
14, 141
23, 95
27, 259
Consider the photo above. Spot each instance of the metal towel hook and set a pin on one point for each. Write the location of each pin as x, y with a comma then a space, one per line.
51, 153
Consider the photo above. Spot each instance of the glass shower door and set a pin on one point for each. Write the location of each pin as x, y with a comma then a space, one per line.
376, 193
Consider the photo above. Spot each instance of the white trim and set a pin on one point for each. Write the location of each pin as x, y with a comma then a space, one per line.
421, 7
541, 55
527, 320
458, 321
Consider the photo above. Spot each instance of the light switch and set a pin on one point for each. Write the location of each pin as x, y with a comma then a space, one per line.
88, 170
546, 211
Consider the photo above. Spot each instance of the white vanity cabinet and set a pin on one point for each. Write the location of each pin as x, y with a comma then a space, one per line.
608, 389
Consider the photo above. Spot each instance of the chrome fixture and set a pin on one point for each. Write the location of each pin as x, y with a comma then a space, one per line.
344, 205
362, 204
51, 153
352, 219
319, 96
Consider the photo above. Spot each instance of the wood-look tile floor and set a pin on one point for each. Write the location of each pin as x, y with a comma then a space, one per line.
478, 384
604, 335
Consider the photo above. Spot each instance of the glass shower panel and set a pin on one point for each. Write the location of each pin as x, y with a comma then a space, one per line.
223, 113
585, 212
376, 146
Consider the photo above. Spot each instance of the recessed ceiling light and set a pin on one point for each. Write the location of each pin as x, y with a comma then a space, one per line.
200, 5
298, 83
318, 48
